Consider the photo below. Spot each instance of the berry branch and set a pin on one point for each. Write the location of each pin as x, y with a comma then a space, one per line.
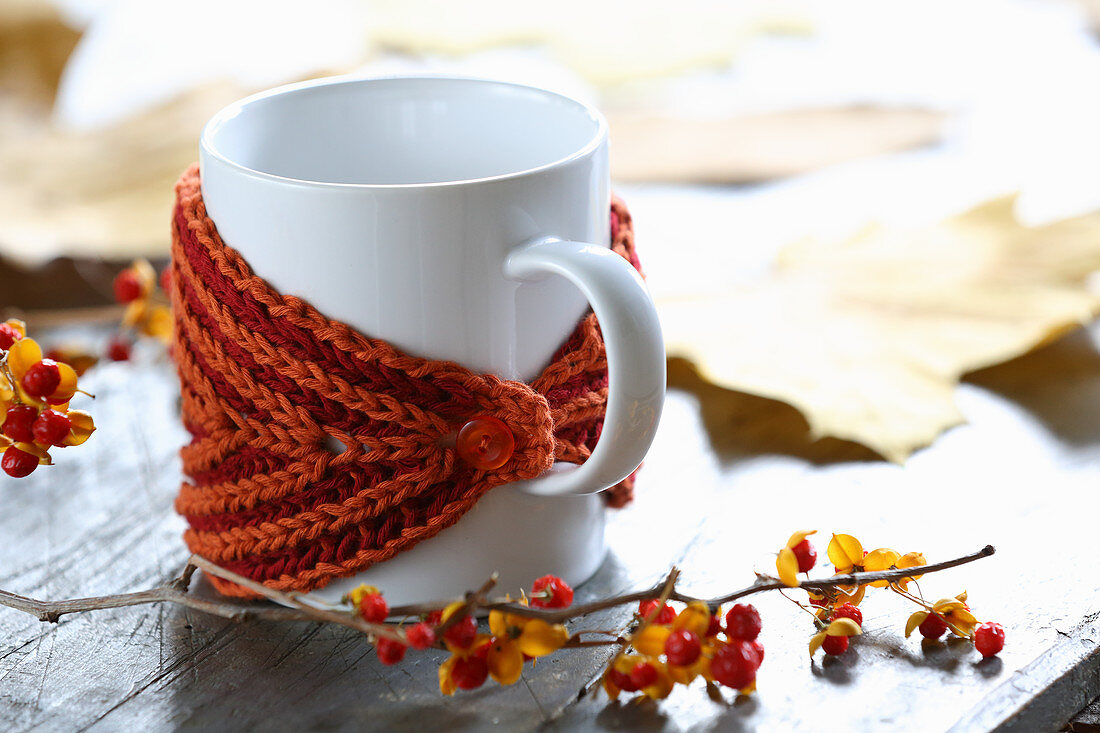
454, 619
177, 591
35, 390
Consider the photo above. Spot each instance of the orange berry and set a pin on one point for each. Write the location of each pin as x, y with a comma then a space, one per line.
127, 286
118, 349
420, 635
989, 638
17, 463
665, 616
19, 423
389, 651
550, 591
463, 633
42, 379
373, 608
8, 336
51, 427
834, 645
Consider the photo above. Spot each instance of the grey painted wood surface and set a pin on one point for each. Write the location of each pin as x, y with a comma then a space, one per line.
728, 479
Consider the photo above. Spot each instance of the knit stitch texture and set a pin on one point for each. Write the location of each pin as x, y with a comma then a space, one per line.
266, 380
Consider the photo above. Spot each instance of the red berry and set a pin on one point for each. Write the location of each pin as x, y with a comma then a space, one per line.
469, 673
389, 651
550, 591
743, 622
17, 463
19, 423
835, 645
52, 427
806, 555
127, 286
420, 635
435, 618
932, 627
462, 633
666, 615
8, 336
989, 638
624, 682
42, 379
819, 602
166, 279
682, 647
714, 626
759, 649
644, 674
847, 610
118, 349
734, 665
373, 608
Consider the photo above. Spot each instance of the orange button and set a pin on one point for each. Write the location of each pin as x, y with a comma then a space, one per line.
485, 442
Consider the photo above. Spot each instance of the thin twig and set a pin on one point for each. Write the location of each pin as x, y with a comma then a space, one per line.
175, 591
344, 618
178, 591
761, 584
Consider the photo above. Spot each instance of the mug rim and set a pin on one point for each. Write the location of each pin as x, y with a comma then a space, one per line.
227, 113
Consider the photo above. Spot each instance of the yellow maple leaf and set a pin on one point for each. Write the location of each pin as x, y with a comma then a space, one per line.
869, 337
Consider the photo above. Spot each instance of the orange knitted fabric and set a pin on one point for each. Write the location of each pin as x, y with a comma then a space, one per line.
267, 380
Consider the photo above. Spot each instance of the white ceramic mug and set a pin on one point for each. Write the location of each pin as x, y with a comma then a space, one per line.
458, 219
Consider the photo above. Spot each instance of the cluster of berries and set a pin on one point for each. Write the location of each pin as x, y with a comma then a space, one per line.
838, 616
34, 403
670, 647
475, 657
677, 647
146, 312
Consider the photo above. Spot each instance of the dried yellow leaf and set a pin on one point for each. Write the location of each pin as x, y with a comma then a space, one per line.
505, 662
356, 594
910, 560
798, 536
539, 638
82, 427
498, 626
22, 355
816, 641
914, 621
880, 559
869, 337
786, 565
843, 627
844, 551
650, 641
696, 617
446, 683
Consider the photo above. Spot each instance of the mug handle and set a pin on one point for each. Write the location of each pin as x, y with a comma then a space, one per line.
635, 358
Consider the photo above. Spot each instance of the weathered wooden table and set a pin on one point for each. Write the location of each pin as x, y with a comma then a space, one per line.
729, 477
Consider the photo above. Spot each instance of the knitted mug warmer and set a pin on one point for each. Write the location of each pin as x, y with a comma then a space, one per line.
267, 381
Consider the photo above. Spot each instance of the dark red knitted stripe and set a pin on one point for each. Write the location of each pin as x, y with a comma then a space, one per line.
369, 535
347, 487
300, 343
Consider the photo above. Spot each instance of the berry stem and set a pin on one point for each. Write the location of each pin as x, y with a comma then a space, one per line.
176, 591
817, 621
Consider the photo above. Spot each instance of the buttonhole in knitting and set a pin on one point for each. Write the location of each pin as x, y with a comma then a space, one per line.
335, 445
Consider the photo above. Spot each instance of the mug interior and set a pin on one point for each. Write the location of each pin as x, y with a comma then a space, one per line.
401, 131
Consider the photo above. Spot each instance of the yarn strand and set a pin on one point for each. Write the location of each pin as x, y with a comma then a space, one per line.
267, 382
